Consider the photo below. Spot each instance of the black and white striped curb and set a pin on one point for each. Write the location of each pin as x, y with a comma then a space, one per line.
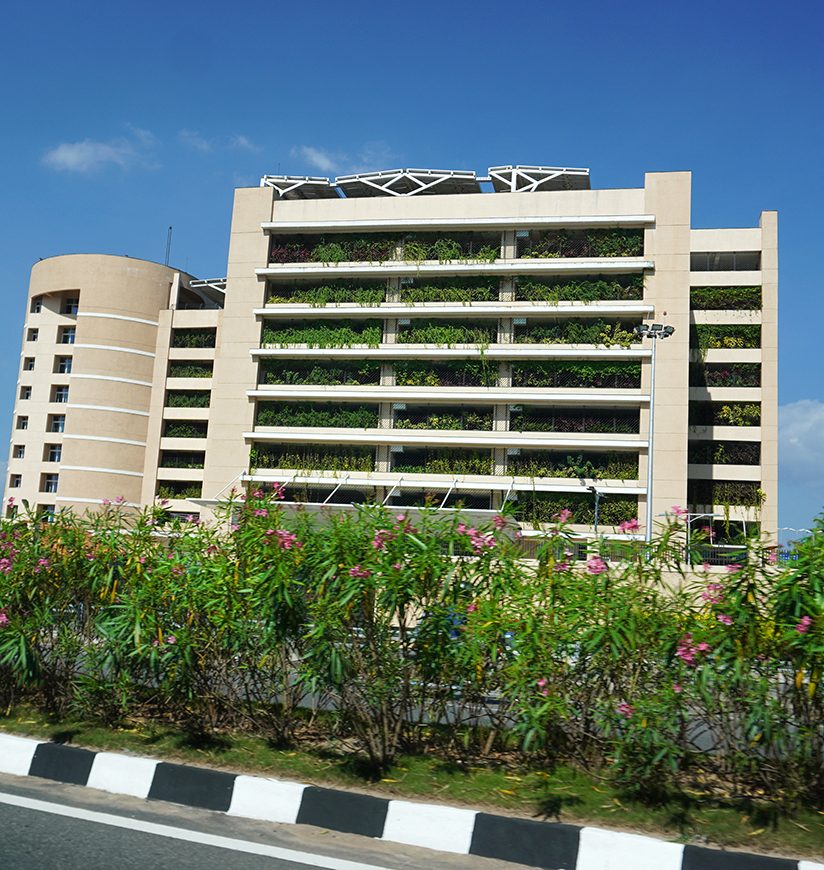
448, 829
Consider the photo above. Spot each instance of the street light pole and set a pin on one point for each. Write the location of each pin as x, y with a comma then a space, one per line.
653, 332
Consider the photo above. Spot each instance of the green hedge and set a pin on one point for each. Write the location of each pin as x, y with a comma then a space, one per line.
329, 292
188, 398
544, 507
725, 375
574, 331
308, 457
618, 466
725, 298
319, 373
443, 461
193, 337
611, 242
185, 429
725, 452
409, 373
325, 334
313, 414
725, 414
741, 493
446, 332
608, 375
190, 369
586, 290
471, 289
713, 335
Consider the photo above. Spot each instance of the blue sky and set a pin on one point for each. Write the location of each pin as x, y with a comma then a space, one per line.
123, 118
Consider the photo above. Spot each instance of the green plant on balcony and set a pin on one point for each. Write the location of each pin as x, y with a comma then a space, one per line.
590, 290
193, 337
310, 415
447, 334
319, 373
190, 369
725, 375
740, 414
706, 336
371, 247
184, 429
618, 467
329, 293
175, 459
343, 334
605, 375
310, 458
444, 420
725, 298
550, 420
725, 453
410, 373
188, 399
575, 331
612, 242
542, 507
445, 462
740, 493
172, 489
420, 247
473, 289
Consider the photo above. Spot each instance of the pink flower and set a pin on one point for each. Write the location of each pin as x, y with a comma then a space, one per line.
678, 510
541, 683
706, 566
461, 529
261, 512
119, 500
563, 516
357, 571
628, 525
687, 650
287, 540
105, 502
171, 639
401, 518
471, 608
382, 537
562, 566
397, 566
4, 618
234, 527
713, 593
772, 557
722, 617
499, 521
164, 502
518, 535
141, 559
596, 565
258, 493
731, 569
804, 625
626, 710
277, 491
10, 500
677, 688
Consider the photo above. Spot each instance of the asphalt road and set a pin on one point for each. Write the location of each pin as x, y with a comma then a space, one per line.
51, 826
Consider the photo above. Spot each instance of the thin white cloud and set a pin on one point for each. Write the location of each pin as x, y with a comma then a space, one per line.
372, 156
126, 152
801, 446
194, 140
317, 158
243, 143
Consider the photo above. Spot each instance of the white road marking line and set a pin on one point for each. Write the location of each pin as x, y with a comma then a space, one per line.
308, 858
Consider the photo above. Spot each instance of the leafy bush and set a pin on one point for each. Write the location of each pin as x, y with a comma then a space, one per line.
309, 457
311, 414
325, 334
195, 337
573, 331
583, 243
190, 369
472, 289
443, 461
445, 249
630, 287
409, 373
188, 398
725, 452
538, 418
447, 332
704, 336
329, 292
171, 489
181, 459
729, 414
443, 418
725, 298
746, 493
185, 429
610, 375
319, 373
725, 375
619, 466
544, 507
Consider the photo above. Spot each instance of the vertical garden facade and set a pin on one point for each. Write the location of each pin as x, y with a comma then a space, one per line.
422, 337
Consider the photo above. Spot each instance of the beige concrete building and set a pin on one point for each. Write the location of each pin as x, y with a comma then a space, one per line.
413, 337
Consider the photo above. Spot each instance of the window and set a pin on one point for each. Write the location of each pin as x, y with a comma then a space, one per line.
49, 482
46, 512
25, 392
28, 364
63, 365
53, 452
19, 451
15, 481
36, 305
60, 394
56, 423
32, 335
22, 423
65, 335
725, 261
69, 306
